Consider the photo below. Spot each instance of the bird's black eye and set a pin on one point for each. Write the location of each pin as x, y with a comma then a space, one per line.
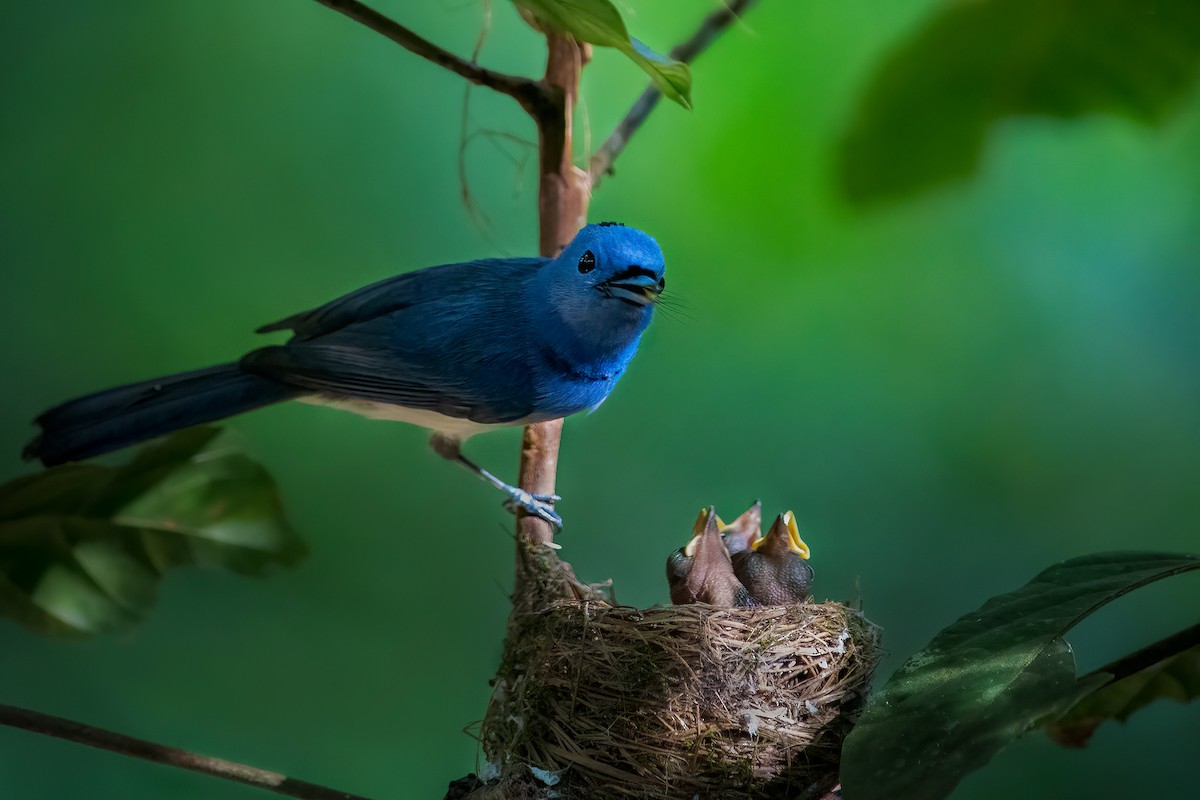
587, 261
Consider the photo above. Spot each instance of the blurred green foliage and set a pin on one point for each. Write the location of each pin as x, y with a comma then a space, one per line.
83, 546
928, 110
952, 392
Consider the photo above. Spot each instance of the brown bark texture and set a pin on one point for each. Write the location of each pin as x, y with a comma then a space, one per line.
562, 211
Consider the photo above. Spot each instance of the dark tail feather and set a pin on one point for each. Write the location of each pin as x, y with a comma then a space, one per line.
116, 418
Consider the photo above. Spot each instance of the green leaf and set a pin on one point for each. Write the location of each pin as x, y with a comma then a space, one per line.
598, 22
927, 111
83, 548
673, 78
1175, 677
986, 679
594, 21
64, 489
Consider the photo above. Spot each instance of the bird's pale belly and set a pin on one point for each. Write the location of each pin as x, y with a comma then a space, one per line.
457, 428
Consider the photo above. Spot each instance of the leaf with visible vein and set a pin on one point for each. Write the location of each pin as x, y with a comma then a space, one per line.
599, 22
986, 679
673, 78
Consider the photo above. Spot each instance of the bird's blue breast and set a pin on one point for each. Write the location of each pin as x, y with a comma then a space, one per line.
566, 388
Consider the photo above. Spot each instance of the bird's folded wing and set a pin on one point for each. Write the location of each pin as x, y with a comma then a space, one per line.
381, 376
399, 292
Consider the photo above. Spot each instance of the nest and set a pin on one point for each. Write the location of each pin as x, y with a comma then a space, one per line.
598, 701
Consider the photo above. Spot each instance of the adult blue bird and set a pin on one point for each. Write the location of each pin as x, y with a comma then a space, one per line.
459, 349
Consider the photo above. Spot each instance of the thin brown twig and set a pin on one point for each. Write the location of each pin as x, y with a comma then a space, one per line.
475, 212
171, 756
714, 25
529, 93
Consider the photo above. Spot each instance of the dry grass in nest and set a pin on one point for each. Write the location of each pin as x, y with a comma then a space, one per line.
681, 701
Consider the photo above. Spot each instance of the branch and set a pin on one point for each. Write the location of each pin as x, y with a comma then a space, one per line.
528, 93
713, 26
1149, 655
562, 211
171, 756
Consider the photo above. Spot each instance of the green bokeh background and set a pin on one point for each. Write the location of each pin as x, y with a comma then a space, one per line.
952, 392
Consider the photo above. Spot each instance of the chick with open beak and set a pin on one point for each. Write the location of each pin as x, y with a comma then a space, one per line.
741, 534
701, 572
775, 570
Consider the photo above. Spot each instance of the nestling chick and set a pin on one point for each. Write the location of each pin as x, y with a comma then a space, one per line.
741, 534
776, 570
701, 572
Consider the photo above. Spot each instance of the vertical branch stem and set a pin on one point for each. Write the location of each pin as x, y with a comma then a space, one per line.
562, 210
562, 188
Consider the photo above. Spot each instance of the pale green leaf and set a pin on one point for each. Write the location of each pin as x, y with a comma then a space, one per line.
599, 22
82, 549
594, 21
673, 78
68, 595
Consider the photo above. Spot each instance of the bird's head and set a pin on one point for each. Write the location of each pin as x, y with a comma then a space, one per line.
741, 534
782, 539
679, 563
607, 280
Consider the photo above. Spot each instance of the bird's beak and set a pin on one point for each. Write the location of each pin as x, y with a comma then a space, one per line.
795, 543
640, 290
706, 520
740, 534
785, 525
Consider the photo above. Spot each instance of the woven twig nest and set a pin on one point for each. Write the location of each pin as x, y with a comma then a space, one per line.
597, 701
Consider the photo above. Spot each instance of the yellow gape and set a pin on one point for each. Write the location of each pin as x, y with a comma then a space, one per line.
795, 543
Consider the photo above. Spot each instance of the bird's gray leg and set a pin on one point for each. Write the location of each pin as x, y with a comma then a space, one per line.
539, 505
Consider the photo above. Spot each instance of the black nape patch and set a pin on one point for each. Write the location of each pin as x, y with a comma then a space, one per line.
612, 224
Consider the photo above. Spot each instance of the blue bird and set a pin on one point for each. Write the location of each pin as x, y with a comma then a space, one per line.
458, 349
